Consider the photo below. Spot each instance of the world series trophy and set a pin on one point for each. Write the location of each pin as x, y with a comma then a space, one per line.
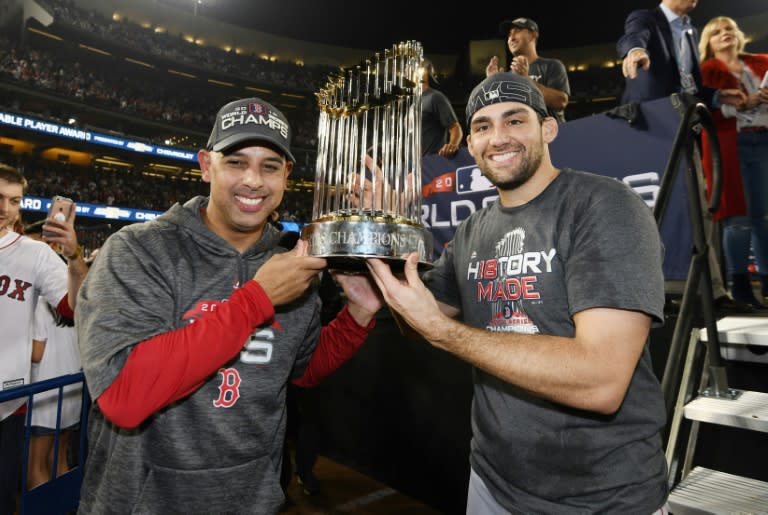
367, 198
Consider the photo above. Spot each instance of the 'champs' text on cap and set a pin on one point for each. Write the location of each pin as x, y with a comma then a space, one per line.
250, 119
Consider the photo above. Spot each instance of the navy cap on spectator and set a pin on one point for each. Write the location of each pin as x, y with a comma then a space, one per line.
250, 119
519, 23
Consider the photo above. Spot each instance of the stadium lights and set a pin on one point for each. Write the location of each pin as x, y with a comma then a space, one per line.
93, 49
183, 74
140, 63
43, 33
221, 83
111, 161
167, 168
292, 95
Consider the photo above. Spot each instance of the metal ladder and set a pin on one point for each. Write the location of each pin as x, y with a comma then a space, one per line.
696, 388
701, 490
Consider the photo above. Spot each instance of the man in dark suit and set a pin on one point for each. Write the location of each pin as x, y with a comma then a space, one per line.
660, 57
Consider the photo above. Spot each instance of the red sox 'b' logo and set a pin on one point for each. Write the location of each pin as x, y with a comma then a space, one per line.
229, 389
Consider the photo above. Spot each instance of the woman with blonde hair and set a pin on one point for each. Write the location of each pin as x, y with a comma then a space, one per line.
743, 137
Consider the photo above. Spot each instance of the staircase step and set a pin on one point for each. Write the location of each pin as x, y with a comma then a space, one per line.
742, 338
749, 410
706, 491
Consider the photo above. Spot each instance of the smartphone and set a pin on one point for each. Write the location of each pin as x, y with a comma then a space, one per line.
61, 208
764, 84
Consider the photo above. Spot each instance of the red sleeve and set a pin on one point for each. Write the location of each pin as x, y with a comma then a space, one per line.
169, 366
63, 308
339, 341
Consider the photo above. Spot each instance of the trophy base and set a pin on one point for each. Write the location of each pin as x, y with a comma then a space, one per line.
346, 241
356, 264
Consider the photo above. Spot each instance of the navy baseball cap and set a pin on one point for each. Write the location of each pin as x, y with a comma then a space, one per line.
520, 23
250, 119
505, 87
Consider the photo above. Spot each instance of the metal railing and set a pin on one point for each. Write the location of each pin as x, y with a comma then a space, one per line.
61, 494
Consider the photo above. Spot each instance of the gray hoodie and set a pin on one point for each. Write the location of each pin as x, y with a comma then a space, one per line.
198, 455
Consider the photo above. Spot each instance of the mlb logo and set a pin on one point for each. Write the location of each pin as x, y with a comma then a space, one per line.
492, 95
470, 179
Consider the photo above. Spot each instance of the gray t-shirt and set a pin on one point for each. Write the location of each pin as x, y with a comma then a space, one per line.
587, 241
551, 73
437, 115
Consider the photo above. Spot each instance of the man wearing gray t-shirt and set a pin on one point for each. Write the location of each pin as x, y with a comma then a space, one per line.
549, 293
549, 75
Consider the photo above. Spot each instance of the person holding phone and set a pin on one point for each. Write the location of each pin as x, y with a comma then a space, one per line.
31, 272
742, 133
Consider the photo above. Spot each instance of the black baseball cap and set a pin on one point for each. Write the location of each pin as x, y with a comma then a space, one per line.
250, 119
505, 87
520, 23
427, 65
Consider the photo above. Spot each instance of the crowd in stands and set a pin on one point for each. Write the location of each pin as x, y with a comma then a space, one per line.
115, 88
107, 88
128, 188
175, 48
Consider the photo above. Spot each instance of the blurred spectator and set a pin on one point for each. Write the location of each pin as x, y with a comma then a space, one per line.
743, 138
549, 74
54, 353
441, 131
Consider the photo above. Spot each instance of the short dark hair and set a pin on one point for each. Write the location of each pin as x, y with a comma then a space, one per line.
11, 174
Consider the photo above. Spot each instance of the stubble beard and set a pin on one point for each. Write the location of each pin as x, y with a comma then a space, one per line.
529, 163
